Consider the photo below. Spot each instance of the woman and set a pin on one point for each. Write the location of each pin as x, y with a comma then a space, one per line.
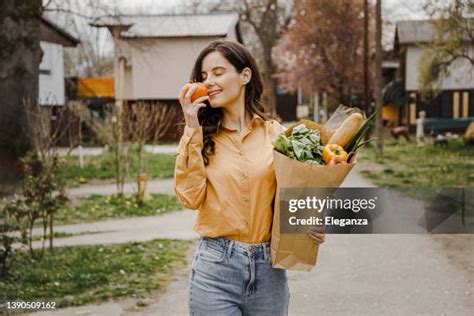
224, 169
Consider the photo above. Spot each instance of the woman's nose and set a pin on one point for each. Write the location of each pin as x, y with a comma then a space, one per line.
209, 82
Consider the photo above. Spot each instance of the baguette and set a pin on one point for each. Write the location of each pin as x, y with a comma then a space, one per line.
348, 129
325, 132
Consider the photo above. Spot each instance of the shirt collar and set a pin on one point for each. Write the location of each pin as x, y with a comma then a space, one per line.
250, 125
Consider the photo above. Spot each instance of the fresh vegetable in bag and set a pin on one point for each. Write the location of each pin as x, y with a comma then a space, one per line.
306, 140
303, 145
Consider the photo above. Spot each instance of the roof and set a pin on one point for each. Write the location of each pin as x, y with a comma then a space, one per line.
187, 25
50, 32
410, 32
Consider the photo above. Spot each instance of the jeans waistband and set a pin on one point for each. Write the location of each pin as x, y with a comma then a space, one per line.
229, 245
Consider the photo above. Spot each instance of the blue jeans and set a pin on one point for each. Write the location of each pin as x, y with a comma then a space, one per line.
234, 278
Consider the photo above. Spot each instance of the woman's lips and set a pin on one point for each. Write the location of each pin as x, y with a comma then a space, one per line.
214, 93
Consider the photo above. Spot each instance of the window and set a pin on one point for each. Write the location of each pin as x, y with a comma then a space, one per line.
46, 64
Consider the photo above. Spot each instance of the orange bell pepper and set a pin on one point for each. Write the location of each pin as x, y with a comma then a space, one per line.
334, 151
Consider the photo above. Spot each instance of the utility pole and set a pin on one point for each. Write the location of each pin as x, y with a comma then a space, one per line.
378, 79
366, 58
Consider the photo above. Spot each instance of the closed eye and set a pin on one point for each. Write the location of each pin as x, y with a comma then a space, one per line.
217, 71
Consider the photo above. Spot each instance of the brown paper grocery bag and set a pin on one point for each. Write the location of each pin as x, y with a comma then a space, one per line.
298, 251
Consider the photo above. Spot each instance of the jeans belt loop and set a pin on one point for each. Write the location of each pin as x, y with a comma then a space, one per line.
230, 246
201, 241
264, 251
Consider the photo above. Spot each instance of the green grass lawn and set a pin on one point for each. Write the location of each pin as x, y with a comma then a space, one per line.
102, 167
80, 275
97, 207
406, 165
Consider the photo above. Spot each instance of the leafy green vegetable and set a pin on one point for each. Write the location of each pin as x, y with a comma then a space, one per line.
303, 145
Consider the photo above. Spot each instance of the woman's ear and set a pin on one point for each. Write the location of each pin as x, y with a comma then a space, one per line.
246, 75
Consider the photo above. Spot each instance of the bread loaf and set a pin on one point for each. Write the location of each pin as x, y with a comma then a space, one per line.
348, 129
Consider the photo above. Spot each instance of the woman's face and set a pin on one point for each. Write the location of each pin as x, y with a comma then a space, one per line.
225, 84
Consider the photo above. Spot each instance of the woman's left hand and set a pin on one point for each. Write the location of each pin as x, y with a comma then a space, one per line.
316, 235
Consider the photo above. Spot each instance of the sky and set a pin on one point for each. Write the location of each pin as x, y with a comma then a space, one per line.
399, 10
392, 11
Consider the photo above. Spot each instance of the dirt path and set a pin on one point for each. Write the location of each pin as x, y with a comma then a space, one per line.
356, 274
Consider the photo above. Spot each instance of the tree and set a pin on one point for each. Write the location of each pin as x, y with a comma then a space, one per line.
145, 121
19, 73
267, 19
378, 78
322, 49
366, 57
109, 131
453, 41
93, 56
43, 191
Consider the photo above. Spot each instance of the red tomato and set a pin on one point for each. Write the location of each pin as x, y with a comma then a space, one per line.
201, 91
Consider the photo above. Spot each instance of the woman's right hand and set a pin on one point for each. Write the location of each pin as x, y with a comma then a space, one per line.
190, 109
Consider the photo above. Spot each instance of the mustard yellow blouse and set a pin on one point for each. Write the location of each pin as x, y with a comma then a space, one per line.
234, 192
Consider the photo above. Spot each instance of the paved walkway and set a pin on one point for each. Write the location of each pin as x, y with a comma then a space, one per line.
162, 149
164, 186
97, 151
174, 225
355, 274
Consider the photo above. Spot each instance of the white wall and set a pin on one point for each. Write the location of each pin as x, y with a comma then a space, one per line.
461, 78
158, 68
51, 86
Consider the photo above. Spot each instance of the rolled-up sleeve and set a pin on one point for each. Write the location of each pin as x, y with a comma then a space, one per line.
190, 171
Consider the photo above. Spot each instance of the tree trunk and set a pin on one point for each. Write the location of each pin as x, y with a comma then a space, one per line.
270, 83
366, 58
21, 55
139, 168
378, 79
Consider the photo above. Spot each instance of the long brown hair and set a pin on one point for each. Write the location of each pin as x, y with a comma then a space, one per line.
210, 118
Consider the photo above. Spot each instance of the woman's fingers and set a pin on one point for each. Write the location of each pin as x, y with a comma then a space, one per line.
182, 93
316, 237
189, 93
200, 105
317, 240
193, 110
201, 99
186, 93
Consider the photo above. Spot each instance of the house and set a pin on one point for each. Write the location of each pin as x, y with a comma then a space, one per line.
393, 92
154, 54
95, 92
52, 90
53, 39
454, 104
